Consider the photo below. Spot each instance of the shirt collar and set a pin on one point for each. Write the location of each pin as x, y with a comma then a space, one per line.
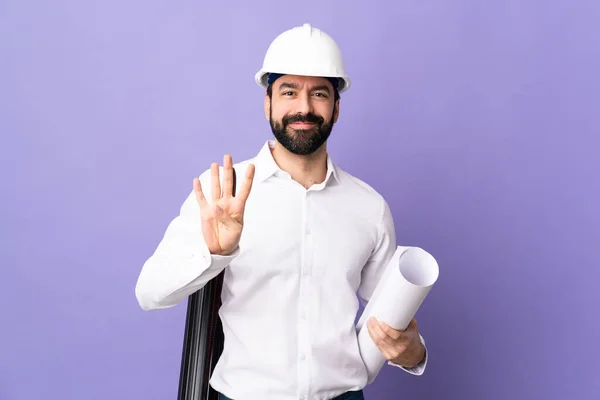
266, 166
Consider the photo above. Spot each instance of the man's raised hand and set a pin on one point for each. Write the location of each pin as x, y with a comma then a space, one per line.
223, 217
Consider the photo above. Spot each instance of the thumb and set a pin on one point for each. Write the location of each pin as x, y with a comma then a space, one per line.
226, 219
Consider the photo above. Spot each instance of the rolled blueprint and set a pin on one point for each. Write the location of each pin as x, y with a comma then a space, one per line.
203, 342
407, 280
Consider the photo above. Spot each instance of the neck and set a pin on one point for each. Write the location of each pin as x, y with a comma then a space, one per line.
306, 170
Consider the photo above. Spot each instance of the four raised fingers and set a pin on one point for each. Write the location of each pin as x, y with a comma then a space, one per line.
228, 183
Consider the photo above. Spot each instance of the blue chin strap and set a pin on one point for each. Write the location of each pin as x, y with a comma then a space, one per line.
273, 77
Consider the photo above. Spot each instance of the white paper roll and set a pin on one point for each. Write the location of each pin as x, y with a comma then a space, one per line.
407, 280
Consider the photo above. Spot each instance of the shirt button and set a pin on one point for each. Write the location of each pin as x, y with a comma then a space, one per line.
303, 315
307, 231
303, 357
304, 272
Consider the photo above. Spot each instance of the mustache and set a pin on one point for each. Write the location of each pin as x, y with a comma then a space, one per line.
310, 118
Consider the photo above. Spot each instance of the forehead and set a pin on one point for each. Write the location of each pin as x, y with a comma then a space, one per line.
303, 82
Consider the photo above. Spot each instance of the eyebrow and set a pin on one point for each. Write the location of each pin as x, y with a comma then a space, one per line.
288, 85
321, 87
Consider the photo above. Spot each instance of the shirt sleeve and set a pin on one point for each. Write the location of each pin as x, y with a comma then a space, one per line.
375, 267
181, 263
382, 254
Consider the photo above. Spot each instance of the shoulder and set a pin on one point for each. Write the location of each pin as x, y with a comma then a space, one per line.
363, 194
359, 187
376, 210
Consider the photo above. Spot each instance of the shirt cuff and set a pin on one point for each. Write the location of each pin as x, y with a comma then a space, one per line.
204, 267
219, 262
418, 369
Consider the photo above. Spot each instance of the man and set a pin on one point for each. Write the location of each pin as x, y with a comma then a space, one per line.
298, 241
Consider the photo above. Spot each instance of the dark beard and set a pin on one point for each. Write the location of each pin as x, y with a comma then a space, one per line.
301, 141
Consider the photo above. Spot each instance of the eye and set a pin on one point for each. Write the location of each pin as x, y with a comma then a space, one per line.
320, 94
289, 93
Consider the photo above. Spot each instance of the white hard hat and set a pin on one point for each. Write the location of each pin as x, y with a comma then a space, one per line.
305, 51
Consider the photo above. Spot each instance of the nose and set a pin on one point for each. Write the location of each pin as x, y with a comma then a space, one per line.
304, 105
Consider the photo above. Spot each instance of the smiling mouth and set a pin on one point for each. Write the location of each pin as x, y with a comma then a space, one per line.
302, 125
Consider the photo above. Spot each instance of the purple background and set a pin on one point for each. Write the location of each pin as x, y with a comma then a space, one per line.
477, 120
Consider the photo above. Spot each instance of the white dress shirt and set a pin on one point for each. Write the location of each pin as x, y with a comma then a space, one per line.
289, 298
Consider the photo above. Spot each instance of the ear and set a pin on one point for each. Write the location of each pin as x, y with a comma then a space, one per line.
267, 107
336, 111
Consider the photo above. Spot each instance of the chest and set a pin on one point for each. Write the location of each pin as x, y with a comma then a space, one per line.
288, 233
